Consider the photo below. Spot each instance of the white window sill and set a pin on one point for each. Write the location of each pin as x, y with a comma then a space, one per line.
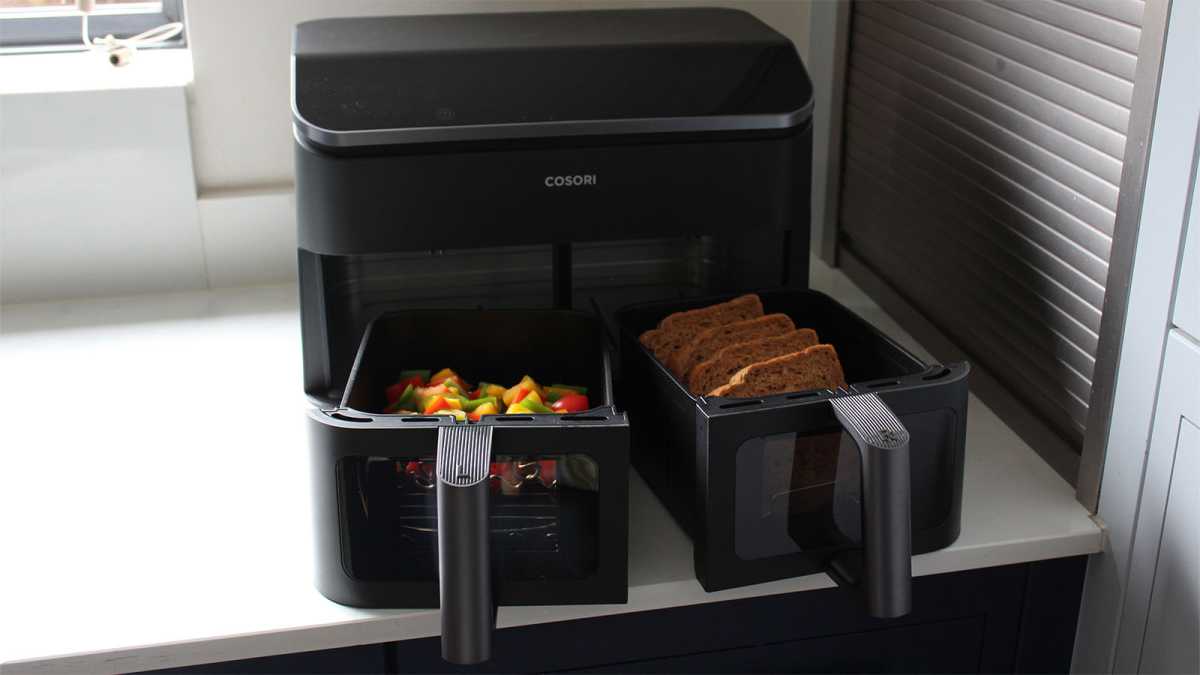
90, 71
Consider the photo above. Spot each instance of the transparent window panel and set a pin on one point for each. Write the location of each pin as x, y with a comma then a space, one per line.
789, 488
799, 493
544, 515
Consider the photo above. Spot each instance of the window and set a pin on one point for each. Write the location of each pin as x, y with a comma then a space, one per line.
55, 25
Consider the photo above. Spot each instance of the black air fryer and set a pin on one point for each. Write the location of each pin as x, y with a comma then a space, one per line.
516, 193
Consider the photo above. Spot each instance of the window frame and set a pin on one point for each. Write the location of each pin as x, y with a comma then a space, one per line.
61, 32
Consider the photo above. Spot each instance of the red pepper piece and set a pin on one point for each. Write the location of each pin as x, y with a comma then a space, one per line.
571, 403
397, 390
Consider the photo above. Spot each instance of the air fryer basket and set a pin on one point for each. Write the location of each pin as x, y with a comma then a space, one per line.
860, 499
513, 509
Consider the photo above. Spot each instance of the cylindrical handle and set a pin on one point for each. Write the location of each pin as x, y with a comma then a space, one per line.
886, 502
464, 561
887, 529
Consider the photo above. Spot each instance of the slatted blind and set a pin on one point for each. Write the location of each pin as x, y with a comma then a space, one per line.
982, 156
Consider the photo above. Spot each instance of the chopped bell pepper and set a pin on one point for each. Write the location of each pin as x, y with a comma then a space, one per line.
518, 409
446, 375
443, 374
571, 403
432, 390
396, 390
557, 391
405, 401
514, 394
534, 405
477, 402
434, 404
531, 383
488, 408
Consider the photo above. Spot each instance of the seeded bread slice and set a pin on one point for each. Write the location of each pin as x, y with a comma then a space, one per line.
679, 329
655, 340
816, 367
742, 307
713, 339
725, 363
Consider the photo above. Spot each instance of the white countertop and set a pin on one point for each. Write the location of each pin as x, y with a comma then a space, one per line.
154, 506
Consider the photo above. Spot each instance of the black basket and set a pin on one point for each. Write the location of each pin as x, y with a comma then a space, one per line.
554, 539
709, 459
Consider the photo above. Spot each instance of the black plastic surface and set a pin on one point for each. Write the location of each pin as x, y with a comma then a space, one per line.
443, 196
508, 69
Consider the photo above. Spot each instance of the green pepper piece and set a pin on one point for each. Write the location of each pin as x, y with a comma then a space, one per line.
405, 398
581, 390
423, 374
534, 406
472, 404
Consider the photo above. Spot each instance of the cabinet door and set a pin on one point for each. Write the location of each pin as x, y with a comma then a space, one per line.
1161, 621
1172, 626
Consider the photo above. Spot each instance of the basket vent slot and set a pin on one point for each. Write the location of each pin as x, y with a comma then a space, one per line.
740, 404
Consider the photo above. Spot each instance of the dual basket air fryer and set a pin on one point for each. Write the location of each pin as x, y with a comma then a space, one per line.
434, 232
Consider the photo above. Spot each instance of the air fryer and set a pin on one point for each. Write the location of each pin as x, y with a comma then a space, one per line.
550, 174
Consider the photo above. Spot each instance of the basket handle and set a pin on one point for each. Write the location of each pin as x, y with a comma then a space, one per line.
464, 455
886, 568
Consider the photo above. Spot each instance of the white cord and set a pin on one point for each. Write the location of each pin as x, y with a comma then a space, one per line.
121, 50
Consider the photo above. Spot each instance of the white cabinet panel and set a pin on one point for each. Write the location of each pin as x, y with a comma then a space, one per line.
1160, 624
1173, 627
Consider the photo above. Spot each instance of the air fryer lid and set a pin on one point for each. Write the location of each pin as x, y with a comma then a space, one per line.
380, 81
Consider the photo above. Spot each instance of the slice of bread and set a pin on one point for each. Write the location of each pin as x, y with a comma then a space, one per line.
742, 307
713, 339
816, 367
655, 339
680, 328
717, 370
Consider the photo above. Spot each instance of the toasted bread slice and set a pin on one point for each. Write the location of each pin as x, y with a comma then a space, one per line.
655, 340
815, 367
740, 308
726, 362
713, 339
680, 328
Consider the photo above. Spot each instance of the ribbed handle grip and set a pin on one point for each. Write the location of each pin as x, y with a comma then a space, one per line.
886, 502
464, 457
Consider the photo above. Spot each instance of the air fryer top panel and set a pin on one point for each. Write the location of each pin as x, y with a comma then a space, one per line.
421, 79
